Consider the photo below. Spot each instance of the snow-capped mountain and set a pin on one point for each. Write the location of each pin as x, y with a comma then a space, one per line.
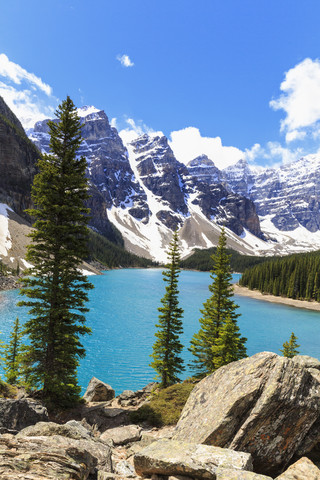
286, 198
148, 193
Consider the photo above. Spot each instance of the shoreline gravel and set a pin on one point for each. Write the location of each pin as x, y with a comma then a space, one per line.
244, 291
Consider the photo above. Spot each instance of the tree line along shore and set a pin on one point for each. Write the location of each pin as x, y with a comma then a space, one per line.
294, 276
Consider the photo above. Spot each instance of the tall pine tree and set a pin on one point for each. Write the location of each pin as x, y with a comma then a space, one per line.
217, 309
55, 286
167, 348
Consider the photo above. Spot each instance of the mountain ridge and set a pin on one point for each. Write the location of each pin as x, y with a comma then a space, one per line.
148, 193
145, 192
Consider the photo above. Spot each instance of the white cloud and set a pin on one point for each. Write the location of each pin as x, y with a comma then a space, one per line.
188, 144
26, 94
273, 154
125, 61
135, 130
300, 99
113, 122
295, 135
252, 154
17, 74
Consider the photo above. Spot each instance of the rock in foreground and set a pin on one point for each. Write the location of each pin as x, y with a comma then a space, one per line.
228, 474
51, 458
49, 450
303, 469
264, 405
18, 414
172, 457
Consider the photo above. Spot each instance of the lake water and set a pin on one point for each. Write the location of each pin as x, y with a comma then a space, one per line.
123, 314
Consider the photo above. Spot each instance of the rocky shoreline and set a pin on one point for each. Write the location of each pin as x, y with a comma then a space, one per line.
255, 419
239, 290
9, 282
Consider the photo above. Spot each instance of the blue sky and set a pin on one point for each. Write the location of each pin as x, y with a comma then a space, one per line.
228, 78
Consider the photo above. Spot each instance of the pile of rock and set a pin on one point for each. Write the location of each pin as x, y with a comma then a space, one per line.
99, 391
128, 398
256, 419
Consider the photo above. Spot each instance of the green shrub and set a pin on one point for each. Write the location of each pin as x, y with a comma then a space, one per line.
165, 406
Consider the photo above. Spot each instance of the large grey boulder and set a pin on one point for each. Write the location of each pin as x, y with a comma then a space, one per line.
303, 469
51, 458
122, 435
172, 457
70, 429
265, 405
98, 391
18, 414
104, 417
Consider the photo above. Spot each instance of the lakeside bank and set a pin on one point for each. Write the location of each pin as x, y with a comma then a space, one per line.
289, 302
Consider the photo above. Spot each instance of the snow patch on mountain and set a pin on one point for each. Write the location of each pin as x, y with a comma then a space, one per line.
294, 241
87, 110
5, 237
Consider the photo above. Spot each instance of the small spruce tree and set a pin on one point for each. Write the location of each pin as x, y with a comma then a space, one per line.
217, 309
167, 348
55, 287
12, 354
290, 349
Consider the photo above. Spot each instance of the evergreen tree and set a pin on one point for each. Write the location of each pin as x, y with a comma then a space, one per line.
290, 349
12, 354
217, 309
55, 286
167, 348
229, 346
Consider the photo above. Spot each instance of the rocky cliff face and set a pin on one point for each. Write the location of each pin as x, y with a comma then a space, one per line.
160, 172
289, 194
202, 169
18, 157
218, 202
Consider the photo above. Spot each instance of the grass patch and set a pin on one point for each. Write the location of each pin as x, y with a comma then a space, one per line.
7, 390
165, 406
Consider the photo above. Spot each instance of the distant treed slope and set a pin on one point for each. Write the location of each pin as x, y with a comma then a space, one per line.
104, 251
295, 276
201, 260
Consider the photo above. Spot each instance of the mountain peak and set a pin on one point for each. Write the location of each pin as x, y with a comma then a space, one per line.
201, 161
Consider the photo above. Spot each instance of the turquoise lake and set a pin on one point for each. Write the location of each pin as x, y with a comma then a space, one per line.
123, 314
